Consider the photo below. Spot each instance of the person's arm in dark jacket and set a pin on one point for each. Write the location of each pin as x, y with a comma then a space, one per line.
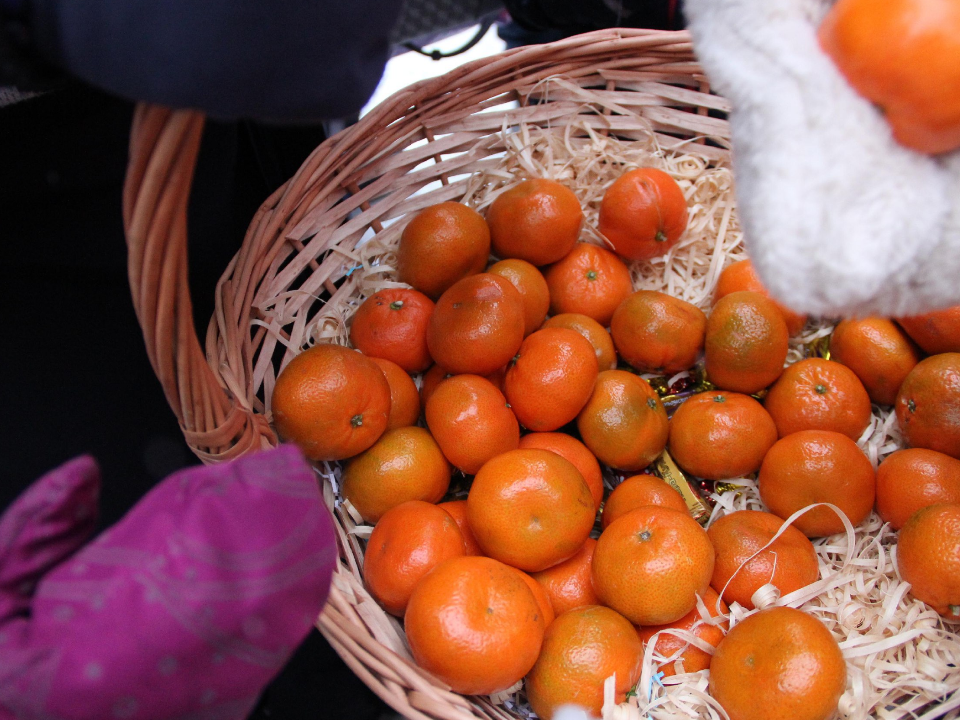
576, 16
283, 60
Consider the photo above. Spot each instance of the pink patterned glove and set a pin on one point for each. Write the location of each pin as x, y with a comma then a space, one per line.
187, 607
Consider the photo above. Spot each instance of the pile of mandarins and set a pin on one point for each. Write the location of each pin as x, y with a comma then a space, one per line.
509, 585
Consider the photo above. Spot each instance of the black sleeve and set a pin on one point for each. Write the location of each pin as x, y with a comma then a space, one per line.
576, 16
278, 60
22, 70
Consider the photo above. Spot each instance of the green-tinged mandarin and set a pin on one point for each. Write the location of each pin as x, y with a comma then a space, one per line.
581, 649
404, 464
746, 342
623, 423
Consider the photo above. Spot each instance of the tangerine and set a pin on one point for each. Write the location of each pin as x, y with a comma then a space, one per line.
928, 557
540, 595
477, 325
440, 245
436, 374
912, 479
538, 220
657, 333
429, 382
746, 342
407, 543
471, 422
637, 492
392, 324
498, 377
651, 564
720, 435
690, 658
581, 649
643, 214
623, 423
928, 404
457, 509
741, 275
576, 452
592, 331
551, 378
569, 584
742, 568
404, 464
878, 351
331, 401
589, 280
818, 394
778, 664
404, 398
935, 332
901, 55
475, 625
817, 466
532, 287
530, 509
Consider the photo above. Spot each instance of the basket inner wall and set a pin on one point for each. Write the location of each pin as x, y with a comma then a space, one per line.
325, 241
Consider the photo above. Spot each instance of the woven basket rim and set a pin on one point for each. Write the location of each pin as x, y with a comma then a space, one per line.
210, 386
308, 234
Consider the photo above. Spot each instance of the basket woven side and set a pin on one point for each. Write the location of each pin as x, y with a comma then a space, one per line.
294, 280
432, 135
358, 180
163, 151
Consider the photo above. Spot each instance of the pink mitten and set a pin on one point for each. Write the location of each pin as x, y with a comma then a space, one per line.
187, 607
43, 527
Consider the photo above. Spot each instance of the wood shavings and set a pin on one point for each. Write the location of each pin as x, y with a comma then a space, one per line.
902, 658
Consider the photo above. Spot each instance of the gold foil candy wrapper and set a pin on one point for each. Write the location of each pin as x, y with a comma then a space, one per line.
665, 467
819, 348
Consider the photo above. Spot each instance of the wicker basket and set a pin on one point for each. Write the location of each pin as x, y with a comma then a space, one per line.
302, 245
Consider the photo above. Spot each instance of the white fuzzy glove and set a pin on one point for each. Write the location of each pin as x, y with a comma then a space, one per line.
839, 219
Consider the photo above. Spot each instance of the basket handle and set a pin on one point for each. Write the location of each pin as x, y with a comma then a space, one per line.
164, 144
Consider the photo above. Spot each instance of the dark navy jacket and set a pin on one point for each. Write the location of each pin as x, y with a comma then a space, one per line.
283, 60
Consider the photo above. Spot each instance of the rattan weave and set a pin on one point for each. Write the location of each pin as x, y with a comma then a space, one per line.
301, 249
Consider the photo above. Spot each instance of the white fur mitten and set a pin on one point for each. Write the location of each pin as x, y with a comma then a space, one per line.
839, 219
